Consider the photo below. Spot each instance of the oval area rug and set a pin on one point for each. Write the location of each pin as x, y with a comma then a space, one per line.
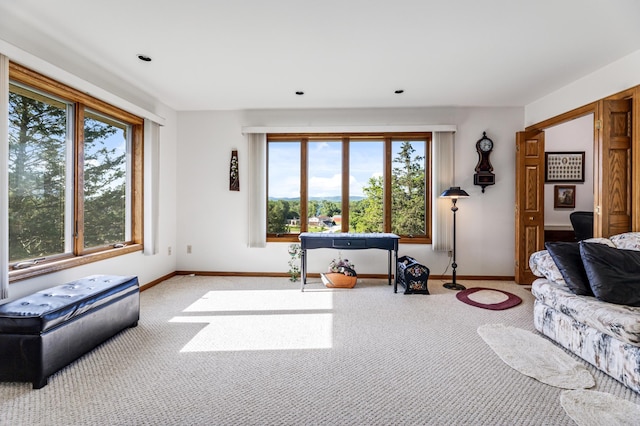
488, 298
535, 356
587, 407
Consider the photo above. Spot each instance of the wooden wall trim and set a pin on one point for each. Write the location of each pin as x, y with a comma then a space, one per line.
317, 275
635, 160
155, 282
563, 118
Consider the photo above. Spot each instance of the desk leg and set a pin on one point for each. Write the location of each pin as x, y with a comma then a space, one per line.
389, 271
395, 275
303, 265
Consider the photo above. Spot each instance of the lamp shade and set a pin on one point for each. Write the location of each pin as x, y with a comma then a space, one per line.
454, 192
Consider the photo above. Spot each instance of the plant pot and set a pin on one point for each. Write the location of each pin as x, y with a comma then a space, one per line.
338, 280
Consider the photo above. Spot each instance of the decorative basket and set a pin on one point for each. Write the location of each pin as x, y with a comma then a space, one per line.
338, 280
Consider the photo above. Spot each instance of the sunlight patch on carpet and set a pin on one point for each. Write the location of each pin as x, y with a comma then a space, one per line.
261, 300
260, 332
598, 408
535, 356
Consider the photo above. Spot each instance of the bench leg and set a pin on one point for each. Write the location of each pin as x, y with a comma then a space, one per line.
40, 383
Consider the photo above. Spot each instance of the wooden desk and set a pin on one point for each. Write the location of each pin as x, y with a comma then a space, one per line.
347, 241
559, 233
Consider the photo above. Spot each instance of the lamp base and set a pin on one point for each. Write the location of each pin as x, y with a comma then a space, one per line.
454, 286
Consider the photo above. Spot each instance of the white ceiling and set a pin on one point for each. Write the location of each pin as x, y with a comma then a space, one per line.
248, 54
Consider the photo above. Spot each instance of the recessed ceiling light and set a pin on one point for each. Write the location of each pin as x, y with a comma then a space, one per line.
299, 93
144, 58
397, 92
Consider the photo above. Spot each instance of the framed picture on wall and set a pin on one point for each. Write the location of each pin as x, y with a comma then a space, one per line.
564, 166
564, 196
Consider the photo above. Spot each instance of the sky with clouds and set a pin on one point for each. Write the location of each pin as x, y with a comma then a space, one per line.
325, 167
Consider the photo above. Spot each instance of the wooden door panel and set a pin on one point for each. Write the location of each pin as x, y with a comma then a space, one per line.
532, 197
616, 167
620, 126
618, 195
618, 225
529, 201
532, 234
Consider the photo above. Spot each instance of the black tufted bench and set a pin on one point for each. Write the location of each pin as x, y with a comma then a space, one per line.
47, 330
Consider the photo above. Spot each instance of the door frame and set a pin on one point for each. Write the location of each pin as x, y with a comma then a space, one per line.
592, 108
597, 109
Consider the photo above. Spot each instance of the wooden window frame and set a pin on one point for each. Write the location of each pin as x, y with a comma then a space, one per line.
346, 138
80, 255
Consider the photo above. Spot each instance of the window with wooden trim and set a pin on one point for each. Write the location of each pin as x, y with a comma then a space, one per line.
349, 183
75, 176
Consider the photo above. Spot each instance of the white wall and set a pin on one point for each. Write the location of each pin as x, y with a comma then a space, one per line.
575, 135
613, 78
213, 220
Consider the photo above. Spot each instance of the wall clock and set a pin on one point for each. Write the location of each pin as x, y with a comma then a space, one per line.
484, 170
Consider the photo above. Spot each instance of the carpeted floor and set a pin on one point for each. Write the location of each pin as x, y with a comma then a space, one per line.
257, 351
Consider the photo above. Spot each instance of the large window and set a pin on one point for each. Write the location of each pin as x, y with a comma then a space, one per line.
349, 183
74, 167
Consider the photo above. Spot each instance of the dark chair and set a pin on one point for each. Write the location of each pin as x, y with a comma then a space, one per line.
582, 223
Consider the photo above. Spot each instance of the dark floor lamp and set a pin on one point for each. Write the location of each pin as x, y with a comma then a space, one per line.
454, 193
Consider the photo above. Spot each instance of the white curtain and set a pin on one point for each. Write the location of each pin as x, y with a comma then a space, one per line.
151, 186
4, 177
442, 150
257, 143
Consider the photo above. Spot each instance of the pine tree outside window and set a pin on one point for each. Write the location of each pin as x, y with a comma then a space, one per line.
75, 163
40, 135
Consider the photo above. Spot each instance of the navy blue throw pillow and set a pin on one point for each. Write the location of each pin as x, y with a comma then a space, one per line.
614, 274
568, 260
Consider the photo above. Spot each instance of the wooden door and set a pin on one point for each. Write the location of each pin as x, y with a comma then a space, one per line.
615, 154
529, 209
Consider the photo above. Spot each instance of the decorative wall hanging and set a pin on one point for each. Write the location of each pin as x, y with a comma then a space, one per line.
564, 196
234, 174
564, 166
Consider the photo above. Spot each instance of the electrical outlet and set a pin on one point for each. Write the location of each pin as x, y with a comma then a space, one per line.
169, 251
450, 253
189, 249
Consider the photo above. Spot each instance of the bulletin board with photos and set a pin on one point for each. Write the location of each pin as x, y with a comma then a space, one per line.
564, 166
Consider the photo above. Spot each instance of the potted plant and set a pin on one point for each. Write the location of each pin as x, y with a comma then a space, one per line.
341, 274
294, 267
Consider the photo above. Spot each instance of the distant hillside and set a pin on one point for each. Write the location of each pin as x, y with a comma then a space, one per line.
334, 199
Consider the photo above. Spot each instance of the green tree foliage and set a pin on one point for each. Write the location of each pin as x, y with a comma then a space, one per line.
104, 185
314, 208
37, 151
38, 134
278, 211
280, 214
330, 208
366, 215
407, 198
408, 192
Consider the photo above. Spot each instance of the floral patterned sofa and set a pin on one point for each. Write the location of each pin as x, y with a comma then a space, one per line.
604, 332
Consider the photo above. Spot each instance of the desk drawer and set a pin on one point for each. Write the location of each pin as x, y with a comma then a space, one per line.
347, 243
